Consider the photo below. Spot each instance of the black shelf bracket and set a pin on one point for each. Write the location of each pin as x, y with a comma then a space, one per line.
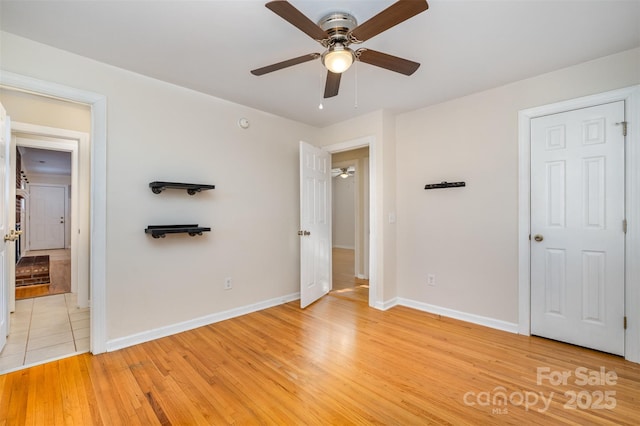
159, 186
444, 184
161, 231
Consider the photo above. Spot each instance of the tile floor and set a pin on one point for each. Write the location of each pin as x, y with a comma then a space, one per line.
44, 329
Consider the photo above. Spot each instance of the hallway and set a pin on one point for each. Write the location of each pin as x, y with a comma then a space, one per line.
345, 283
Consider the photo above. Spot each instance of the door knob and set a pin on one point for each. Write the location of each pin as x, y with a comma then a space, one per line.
12, 235
538, 237
304, 233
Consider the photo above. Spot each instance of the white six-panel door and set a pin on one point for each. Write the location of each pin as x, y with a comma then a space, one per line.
315, 223
577, 236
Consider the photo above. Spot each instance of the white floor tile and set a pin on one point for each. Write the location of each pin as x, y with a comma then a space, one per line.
77, 309
49, 352
16, 337
46, 308
49, 323
21, 315
75, 316
83, 323
10, 362
81, 333
54, 302
13, 348
50, 340
82, 345
20, 327
24, 305
41, 330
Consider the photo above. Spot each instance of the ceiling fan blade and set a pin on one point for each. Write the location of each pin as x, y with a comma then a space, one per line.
398, 12
286, 11
384, 60
333, 84
285, 64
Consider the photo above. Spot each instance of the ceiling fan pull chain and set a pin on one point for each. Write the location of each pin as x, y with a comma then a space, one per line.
320, 106
356, 85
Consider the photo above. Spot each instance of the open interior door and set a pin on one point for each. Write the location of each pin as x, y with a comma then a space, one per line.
315, 223
6, 229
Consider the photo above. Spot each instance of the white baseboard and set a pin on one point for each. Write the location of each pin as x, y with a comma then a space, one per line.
383, 306
146, 336
344, 247
362, 277
462, 316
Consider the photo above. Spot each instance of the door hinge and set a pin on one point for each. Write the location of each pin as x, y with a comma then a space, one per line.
625, 322
624, 226
624, 127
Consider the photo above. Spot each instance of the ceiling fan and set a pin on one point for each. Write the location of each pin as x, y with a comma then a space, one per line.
343, 172
337, 31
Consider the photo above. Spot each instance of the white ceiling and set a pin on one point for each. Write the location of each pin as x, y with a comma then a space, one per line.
210, 46
43, 161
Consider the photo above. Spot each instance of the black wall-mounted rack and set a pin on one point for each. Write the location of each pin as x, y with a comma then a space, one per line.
159, 186
160, 231
444, 184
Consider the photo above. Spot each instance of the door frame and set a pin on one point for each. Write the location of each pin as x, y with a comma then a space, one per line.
375, 301
631, 96
98, 201
361, 271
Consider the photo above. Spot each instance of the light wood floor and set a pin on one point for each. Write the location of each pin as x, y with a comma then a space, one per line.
336, 362
344, 282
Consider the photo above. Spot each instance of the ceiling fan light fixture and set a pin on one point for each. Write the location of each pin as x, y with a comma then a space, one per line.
344, 174
338, 58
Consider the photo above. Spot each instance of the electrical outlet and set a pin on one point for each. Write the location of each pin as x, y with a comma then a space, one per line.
227, 283
431, 279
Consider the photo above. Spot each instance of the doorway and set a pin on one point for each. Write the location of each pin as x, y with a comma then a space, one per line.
53, 176
96, 222
350, 223
43, 214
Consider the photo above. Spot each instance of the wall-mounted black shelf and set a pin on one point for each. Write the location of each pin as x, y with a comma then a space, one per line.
444, 185
161, 231
159, 186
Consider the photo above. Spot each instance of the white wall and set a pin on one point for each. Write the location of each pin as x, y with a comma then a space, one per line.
468, 236
379, 126
344, 214
158, 131
43, 111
